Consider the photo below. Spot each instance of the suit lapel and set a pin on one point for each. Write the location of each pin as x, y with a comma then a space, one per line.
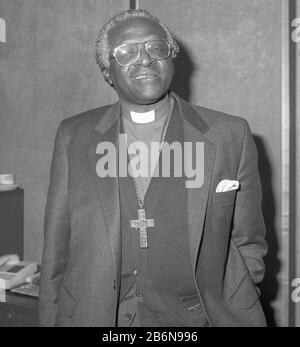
107, 130
194, 129
159, 184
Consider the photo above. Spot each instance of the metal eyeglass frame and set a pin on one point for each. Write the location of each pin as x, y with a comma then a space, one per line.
138, 44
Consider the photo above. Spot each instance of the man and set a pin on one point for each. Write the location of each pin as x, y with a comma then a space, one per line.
124, 248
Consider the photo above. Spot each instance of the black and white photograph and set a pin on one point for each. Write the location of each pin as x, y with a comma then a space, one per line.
149, 172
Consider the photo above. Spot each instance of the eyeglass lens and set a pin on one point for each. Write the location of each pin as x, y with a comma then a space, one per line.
128, 54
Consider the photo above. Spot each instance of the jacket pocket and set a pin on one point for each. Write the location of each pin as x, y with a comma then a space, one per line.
238, 287
225, 198
191, 302
245, 295
67, 302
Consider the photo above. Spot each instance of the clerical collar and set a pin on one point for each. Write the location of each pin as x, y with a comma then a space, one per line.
142, 118
160, 109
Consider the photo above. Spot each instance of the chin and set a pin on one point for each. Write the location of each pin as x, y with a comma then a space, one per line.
148, 98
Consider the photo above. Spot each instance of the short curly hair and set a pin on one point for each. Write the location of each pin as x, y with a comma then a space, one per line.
102, 47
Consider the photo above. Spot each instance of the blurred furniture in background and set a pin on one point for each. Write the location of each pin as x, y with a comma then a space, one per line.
11, 222
19, 311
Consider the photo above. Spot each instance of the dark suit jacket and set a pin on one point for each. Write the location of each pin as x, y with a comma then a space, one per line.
81, 257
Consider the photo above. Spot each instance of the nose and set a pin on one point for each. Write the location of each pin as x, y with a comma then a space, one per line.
145, 59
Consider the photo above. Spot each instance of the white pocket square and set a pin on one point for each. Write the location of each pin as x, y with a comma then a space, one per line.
227, 186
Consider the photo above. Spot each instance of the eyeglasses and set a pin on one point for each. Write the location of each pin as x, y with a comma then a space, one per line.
129, 54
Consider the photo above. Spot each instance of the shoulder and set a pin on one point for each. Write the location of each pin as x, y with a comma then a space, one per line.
217, 120
85, 120
212, 121
227, 132
82, 125
222, 127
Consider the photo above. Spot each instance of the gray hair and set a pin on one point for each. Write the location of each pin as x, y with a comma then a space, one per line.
102, 47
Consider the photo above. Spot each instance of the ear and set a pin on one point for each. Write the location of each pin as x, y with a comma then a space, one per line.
107, 77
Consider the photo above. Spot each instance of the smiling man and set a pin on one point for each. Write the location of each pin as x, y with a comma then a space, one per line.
149, 250
140, 40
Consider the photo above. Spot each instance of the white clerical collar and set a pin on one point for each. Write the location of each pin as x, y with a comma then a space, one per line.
142, 117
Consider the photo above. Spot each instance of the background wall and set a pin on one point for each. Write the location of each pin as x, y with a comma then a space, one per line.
47, 73
231, 61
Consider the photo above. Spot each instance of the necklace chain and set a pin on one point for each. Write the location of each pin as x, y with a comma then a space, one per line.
139, 194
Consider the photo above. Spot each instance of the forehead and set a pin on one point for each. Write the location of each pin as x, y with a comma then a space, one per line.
137, 29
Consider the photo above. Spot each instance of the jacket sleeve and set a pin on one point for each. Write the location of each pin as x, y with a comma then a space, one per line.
56, 234
248, 225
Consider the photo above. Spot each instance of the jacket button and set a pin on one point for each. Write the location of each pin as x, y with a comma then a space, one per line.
127, 316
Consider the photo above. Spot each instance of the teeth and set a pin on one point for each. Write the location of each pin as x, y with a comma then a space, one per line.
144, 77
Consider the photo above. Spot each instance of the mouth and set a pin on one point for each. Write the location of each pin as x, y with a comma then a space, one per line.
145, 76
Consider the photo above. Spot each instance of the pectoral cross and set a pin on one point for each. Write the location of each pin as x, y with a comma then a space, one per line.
142, 224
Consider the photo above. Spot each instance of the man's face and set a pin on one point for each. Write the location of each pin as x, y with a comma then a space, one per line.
146, 81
